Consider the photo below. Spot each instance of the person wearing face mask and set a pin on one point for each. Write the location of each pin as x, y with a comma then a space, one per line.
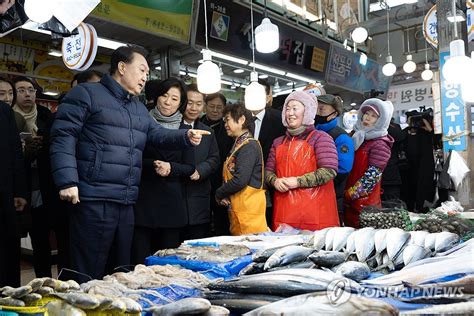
373, 148
329, 108
161, 212
301, 167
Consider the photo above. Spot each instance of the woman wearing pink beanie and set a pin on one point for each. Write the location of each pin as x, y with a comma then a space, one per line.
301, 167
372, 146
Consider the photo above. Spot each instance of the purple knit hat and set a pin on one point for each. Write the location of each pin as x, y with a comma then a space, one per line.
310, 103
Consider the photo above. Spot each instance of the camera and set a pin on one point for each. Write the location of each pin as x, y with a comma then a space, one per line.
416, 117
372, 93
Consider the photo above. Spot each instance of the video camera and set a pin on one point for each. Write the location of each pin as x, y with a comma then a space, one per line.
416, 117
373, 93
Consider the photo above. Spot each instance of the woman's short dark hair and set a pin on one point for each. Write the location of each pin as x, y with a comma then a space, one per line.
4, 79
236, 111
125, 54
163, 87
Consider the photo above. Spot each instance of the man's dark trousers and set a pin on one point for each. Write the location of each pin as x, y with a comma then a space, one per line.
101, 235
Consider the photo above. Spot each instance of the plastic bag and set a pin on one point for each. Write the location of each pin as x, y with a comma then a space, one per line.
457, 168
393, 214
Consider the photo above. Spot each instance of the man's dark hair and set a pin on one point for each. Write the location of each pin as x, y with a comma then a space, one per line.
194, 88
125, 54
163, 87
23, 78
150, 90
213, 96
238, 110
268, 87
87, 75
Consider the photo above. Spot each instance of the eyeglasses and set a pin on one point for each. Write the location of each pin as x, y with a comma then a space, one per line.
23, 90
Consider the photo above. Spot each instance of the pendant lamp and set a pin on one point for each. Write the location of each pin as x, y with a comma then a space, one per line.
389, 68
458, 68
427, 74
255, 95
39, 11
267, 36
208, 73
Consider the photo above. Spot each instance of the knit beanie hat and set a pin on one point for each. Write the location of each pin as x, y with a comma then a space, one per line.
310, 106
332, 100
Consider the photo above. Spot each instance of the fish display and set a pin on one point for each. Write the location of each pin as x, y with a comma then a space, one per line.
320, 304
353, 270
183, 307
327, 259
223, 253
287, 255
465, 308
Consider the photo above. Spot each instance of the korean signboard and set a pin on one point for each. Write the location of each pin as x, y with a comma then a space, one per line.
230, 32
168, 18
411, 96
452, 113
344, 70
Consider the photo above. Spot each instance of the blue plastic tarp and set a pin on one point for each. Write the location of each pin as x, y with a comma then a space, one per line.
211, 270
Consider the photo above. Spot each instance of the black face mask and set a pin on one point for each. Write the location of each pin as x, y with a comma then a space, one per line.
320, 119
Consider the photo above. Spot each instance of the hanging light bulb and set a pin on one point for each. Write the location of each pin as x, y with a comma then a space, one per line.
208, 73
359, 34
276, 86
458, 67
389, 68
233, 86
427, 74
255, 95
39, 11
409, 66
267, 37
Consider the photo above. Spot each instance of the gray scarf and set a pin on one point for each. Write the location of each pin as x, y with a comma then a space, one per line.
170, 122
362, 133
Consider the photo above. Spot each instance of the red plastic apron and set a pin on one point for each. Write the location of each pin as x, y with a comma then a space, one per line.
353, 208
305, 208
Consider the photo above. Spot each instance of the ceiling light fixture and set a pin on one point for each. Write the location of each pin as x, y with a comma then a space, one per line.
458, 67
409, 66
302, 78
255, 95
208, 73
268, 69
267, 37
238, 70
229, 58
39, 11
55, 53
389, 68
262, 76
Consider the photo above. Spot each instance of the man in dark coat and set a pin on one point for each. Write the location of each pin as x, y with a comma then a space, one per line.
198, 188
98, 138
391, 179
268, 127
12, 196
214, 108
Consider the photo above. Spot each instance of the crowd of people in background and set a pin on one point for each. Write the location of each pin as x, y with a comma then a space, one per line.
117, 180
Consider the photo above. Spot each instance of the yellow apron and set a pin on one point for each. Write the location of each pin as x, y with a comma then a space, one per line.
247, 207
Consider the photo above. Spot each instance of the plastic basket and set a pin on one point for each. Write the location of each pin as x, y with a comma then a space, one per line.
28, 310
6, 313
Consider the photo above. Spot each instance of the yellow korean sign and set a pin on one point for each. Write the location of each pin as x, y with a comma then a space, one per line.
168, 18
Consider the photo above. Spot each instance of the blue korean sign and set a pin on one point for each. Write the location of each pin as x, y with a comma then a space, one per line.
345, 70
452, 113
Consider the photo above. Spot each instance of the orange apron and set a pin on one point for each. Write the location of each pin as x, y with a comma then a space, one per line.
353, 208
305, 208
247, 207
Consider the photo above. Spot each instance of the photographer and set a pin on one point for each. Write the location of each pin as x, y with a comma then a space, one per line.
418, 184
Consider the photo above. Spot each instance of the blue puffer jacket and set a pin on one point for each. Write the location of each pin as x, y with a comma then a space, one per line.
98, 138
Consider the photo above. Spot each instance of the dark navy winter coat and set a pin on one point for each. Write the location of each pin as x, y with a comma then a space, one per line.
98, 138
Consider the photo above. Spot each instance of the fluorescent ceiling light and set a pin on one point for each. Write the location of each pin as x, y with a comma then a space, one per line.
391, 3
229, 83
289, 83
158, 67
263, 76
288, 91
239, 70
55, 53
102, 42
269, 69
295, 76
353, 104
229, 58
